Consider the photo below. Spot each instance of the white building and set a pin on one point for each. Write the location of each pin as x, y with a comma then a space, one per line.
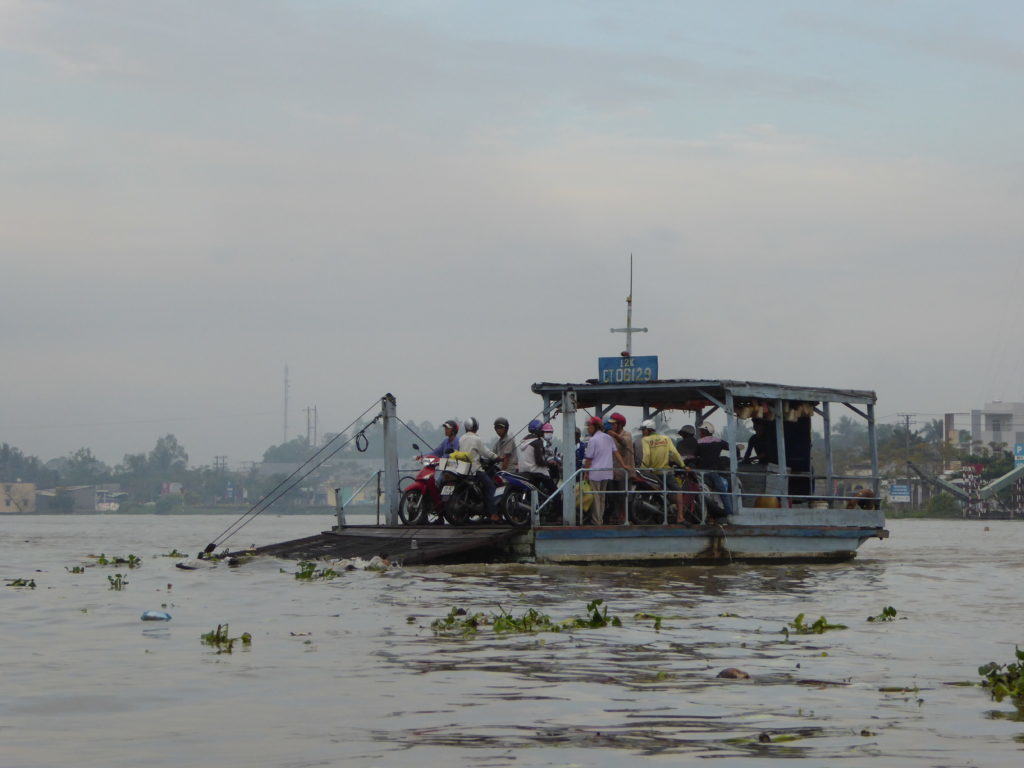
998, 422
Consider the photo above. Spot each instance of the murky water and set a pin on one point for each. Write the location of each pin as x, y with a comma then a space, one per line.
337, 675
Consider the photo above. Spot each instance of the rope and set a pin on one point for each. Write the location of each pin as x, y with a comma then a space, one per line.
254, 510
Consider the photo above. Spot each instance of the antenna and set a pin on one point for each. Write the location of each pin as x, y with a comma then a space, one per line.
629, 330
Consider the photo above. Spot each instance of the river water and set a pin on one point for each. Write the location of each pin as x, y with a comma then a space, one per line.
338, 674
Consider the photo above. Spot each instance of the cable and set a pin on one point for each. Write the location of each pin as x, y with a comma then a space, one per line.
224, 535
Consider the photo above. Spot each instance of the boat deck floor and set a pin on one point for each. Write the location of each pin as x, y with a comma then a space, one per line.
407, 544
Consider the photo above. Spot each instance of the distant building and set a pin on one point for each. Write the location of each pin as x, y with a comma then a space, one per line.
998, 422
17, 498
80, 498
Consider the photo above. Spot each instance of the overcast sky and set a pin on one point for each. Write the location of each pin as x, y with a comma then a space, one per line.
438, 199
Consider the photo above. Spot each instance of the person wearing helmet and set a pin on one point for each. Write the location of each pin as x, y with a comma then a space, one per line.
625, 466
551, 454
531, 459
505, 445
658, 452
709, 458
687, 442
472, 444
600, 457
450, 442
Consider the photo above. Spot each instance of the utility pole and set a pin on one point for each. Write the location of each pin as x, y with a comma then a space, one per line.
284, 434
629, 330
220, 463
908, 419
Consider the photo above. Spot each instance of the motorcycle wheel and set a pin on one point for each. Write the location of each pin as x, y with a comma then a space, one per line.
641, 512
459, 506
516, 507
412, 509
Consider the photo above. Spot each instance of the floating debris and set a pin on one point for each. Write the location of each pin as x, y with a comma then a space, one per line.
28, 583
732, 673
174, 553
74, 569
650, 617
155, 616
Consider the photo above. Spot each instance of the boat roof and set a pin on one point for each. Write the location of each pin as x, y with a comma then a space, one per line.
681, 394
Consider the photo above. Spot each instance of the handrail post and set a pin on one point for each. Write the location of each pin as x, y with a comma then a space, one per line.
391, 498
664, 496
780, 442
826, 418
730, 428
568, 449
339, 505
534, 511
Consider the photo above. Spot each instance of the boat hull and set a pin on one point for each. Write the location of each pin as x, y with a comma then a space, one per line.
677, 545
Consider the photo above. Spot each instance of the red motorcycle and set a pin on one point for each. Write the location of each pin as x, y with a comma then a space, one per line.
421, 502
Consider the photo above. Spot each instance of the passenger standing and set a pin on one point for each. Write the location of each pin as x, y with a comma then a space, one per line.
600, 456
625, 465
504, 446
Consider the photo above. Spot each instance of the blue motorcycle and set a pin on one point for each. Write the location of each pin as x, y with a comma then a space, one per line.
515, 491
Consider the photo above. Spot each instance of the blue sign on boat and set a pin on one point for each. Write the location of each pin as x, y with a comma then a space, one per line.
1018, 454
627, 370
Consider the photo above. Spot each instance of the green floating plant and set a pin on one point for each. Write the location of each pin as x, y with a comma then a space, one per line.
888, 614
819, 627
74, 569
117, 581
131, 561
218, 638
174, 553
309, 572
1005, 680
461, 622
29, 583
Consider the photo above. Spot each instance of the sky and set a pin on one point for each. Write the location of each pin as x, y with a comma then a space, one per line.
439, 200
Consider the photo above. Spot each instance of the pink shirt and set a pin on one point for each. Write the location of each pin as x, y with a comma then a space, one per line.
600, 450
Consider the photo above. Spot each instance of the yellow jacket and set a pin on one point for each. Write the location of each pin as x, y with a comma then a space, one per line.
659, 452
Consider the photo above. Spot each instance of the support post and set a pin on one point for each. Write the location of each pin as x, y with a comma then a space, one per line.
826, 418
390, 417
730, 432
780, 444
874, 448
568, 455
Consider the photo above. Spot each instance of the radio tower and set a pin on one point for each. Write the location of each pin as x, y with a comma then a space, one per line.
284, 437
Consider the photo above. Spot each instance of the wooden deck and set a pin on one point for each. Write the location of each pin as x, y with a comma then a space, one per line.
406, 544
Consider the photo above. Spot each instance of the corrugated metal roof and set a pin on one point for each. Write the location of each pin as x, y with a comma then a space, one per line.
674, 393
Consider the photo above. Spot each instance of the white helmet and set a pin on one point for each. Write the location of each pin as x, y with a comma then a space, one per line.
708, 427
471, 424
647, 424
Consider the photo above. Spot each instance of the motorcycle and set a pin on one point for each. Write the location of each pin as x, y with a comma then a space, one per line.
462, 494
421, 502
515, 506
647, 504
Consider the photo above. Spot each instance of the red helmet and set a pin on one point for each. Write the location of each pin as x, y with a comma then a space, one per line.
547, 427
595, 421
618, 417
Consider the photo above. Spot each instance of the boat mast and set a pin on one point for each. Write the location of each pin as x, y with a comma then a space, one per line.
629, 330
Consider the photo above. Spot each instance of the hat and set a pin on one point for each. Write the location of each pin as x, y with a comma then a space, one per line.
617, 417
647, 424
708, 427
595, 421
687, 429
